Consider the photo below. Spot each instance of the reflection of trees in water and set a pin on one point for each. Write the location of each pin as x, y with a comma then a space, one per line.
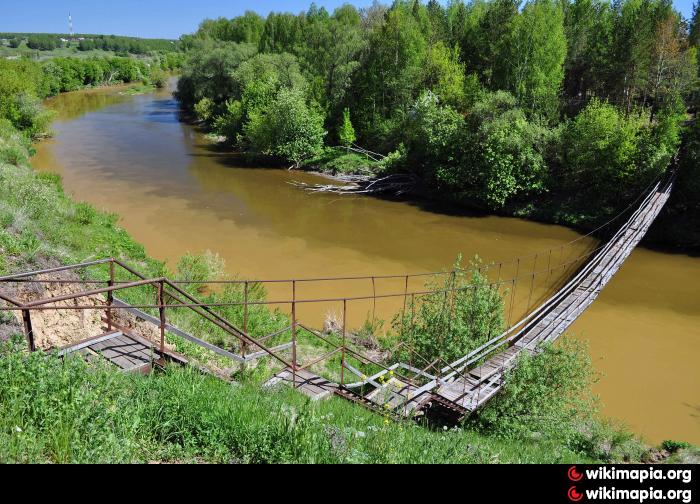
73, 105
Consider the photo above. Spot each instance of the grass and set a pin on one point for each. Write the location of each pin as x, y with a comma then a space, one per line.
55, 411
139, 89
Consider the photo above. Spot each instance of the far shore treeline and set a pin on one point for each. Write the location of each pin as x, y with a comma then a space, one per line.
562, 111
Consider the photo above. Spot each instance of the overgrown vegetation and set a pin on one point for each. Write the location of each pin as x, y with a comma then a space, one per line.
560, 111
448, 325
55, 411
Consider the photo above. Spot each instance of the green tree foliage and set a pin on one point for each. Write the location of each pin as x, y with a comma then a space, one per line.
445, 75
43, 42
346, 133
601, 149
208, 72
286, 128
535, 57
449, 325
126, 45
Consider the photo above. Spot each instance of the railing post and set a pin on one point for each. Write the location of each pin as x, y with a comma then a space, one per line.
342, 357
244, 344
110, 296
161, 312
28, 331
294, 333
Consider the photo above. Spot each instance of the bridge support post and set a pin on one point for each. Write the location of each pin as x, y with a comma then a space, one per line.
342, 355
110, 296
294, 334
161, 312
244, 344
28, 330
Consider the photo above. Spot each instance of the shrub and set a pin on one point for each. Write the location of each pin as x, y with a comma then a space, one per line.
287, 128
449, 325
546, 393
674, 446
199, 268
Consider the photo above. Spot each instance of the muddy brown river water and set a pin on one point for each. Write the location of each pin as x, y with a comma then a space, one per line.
176, 193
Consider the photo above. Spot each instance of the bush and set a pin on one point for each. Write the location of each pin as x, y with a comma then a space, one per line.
674, 446
199, 268
288, 128
158, 78
547, 393
448, 325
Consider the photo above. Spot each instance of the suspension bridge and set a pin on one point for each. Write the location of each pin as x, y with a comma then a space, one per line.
327, 363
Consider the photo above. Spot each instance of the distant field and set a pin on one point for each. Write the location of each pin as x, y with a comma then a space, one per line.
71, 50
45, 46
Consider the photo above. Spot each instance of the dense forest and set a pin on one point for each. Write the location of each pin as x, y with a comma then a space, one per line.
546, 109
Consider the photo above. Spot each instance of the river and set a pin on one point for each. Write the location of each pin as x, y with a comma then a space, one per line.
177, 193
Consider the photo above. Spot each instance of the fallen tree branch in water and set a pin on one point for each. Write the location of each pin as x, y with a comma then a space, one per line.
396, 183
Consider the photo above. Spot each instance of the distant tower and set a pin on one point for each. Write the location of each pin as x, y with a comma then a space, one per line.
70, 25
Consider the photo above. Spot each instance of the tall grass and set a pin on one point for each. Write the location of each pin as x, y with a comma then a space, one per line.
66, 411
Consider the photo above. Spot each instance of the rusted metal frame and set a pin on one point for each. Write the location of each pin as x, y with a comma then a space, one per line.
207, 313
342, 359
110, 296
89, 293
532, 283
28, 329
276, 333
11, 278
319, 359
178, 332
405, 298
225, 325
294, 334
161, 313
187, 296
512, 296
245, 316
10, 300
374, 302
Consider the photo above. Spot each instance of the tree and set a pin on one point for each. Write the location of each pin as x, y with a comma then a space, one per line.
445, 75
287, 128
535, 55
346, 133
601, 157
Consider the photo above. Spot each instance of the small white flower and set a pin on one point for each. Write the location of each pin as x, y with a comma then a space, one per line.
18, 428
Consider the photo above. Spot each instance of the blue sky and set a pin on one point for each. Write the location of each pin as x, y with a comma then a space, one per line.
152, 18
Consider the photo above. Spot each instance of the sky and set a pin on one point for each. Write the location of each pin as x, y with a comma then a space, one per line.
153, 18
